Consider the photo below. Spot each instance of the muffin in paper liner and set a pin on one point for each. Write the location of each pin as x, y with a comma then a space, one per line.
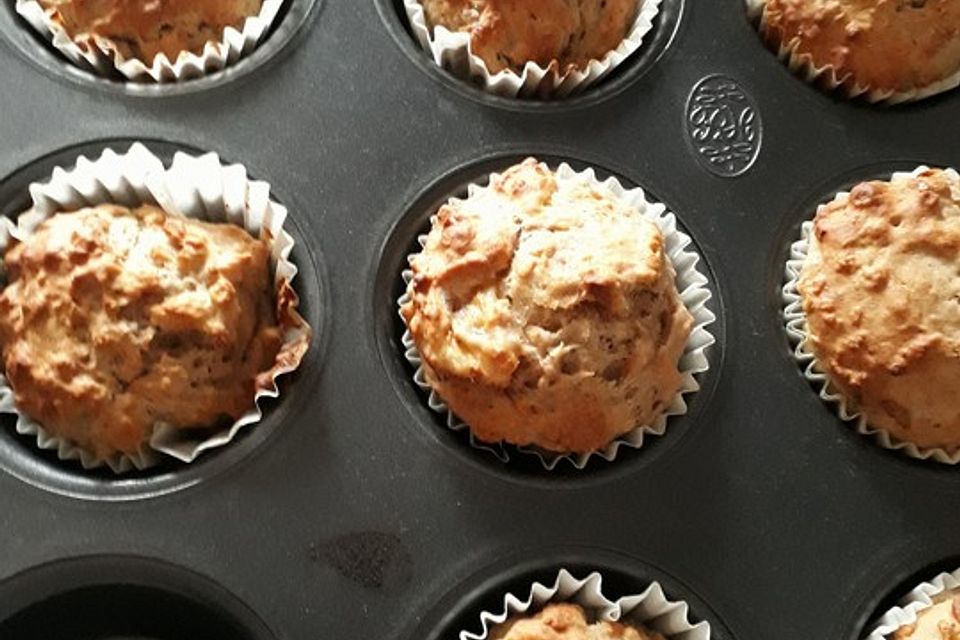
651, 608
796, 326
452, 51
99, 55
920, 598
691, 285
802, 64
197, 187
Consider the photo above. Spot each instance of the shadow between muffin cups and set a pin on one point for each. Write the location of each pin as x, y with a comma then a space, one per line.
100, 55
452, 51
195, 187
803, 65
795, 323
691, 283
651, 608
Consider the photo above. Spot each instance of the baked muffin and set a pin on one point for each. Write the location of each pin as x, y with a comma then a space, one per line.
881, 298
545, 312
938, 622
114, 320
142, 30
564, 34
886, 45
567, 622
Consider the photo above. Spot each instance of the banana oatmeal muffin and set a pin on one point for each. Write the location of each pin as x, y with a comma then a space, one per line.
567, 622
888, 45
938, 622
545, 312
143, 29
882, 302
507, 34
115, 320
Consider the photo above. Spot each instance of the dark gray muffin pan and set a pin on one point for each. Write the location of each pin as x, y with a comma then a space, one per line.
351, 511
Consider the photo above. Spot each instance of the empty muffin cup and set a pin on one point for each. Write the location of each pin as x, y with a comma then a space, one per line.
651, 609
691, 283
191, 187
452, 50
797, 331
109, 56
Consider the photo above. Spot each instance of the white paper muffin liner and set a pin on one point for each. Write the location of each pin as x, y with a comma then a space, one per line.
803, 65
195, 187
796, 325
910, 606
691, 284
651, 609
98, 54
452, 51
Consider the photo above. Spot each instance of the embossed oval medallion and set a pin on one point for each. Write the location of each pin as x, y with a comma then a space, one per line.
723, 126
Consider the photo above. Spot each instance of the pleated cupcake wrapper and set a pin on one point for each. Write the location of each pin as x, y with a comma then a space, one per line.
651, 609
195, 187
691, 284
452, 51
910, 606
803, 65
100, 55
796, 325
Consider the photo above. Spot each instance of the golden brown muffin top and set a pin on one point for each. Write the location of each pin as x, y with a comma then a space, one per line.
894, 45
144, 28
546, 313
115, 320
507, 34
939, 622
567, 622
881, 294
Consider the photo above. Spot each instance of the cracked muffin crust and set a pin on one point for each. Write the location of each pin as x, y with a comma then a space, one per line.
938, 622
507, 34
545, 312
143, 29
881, 295
890, 45
115, 320
567, 622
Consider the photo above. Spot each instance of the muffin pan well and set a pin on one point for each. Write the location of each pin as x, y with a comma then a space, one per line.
402, 243
351, 508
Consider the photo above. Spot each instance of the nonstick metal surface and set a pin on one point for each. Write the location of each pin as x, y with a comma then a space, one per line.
350, 511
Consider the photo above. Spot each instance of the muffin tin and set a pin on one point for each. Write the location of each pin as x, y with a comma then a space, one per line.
350, 510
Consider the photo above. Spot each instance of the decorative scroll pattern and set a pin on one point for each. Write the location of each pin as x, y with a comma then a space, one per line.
724, 126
